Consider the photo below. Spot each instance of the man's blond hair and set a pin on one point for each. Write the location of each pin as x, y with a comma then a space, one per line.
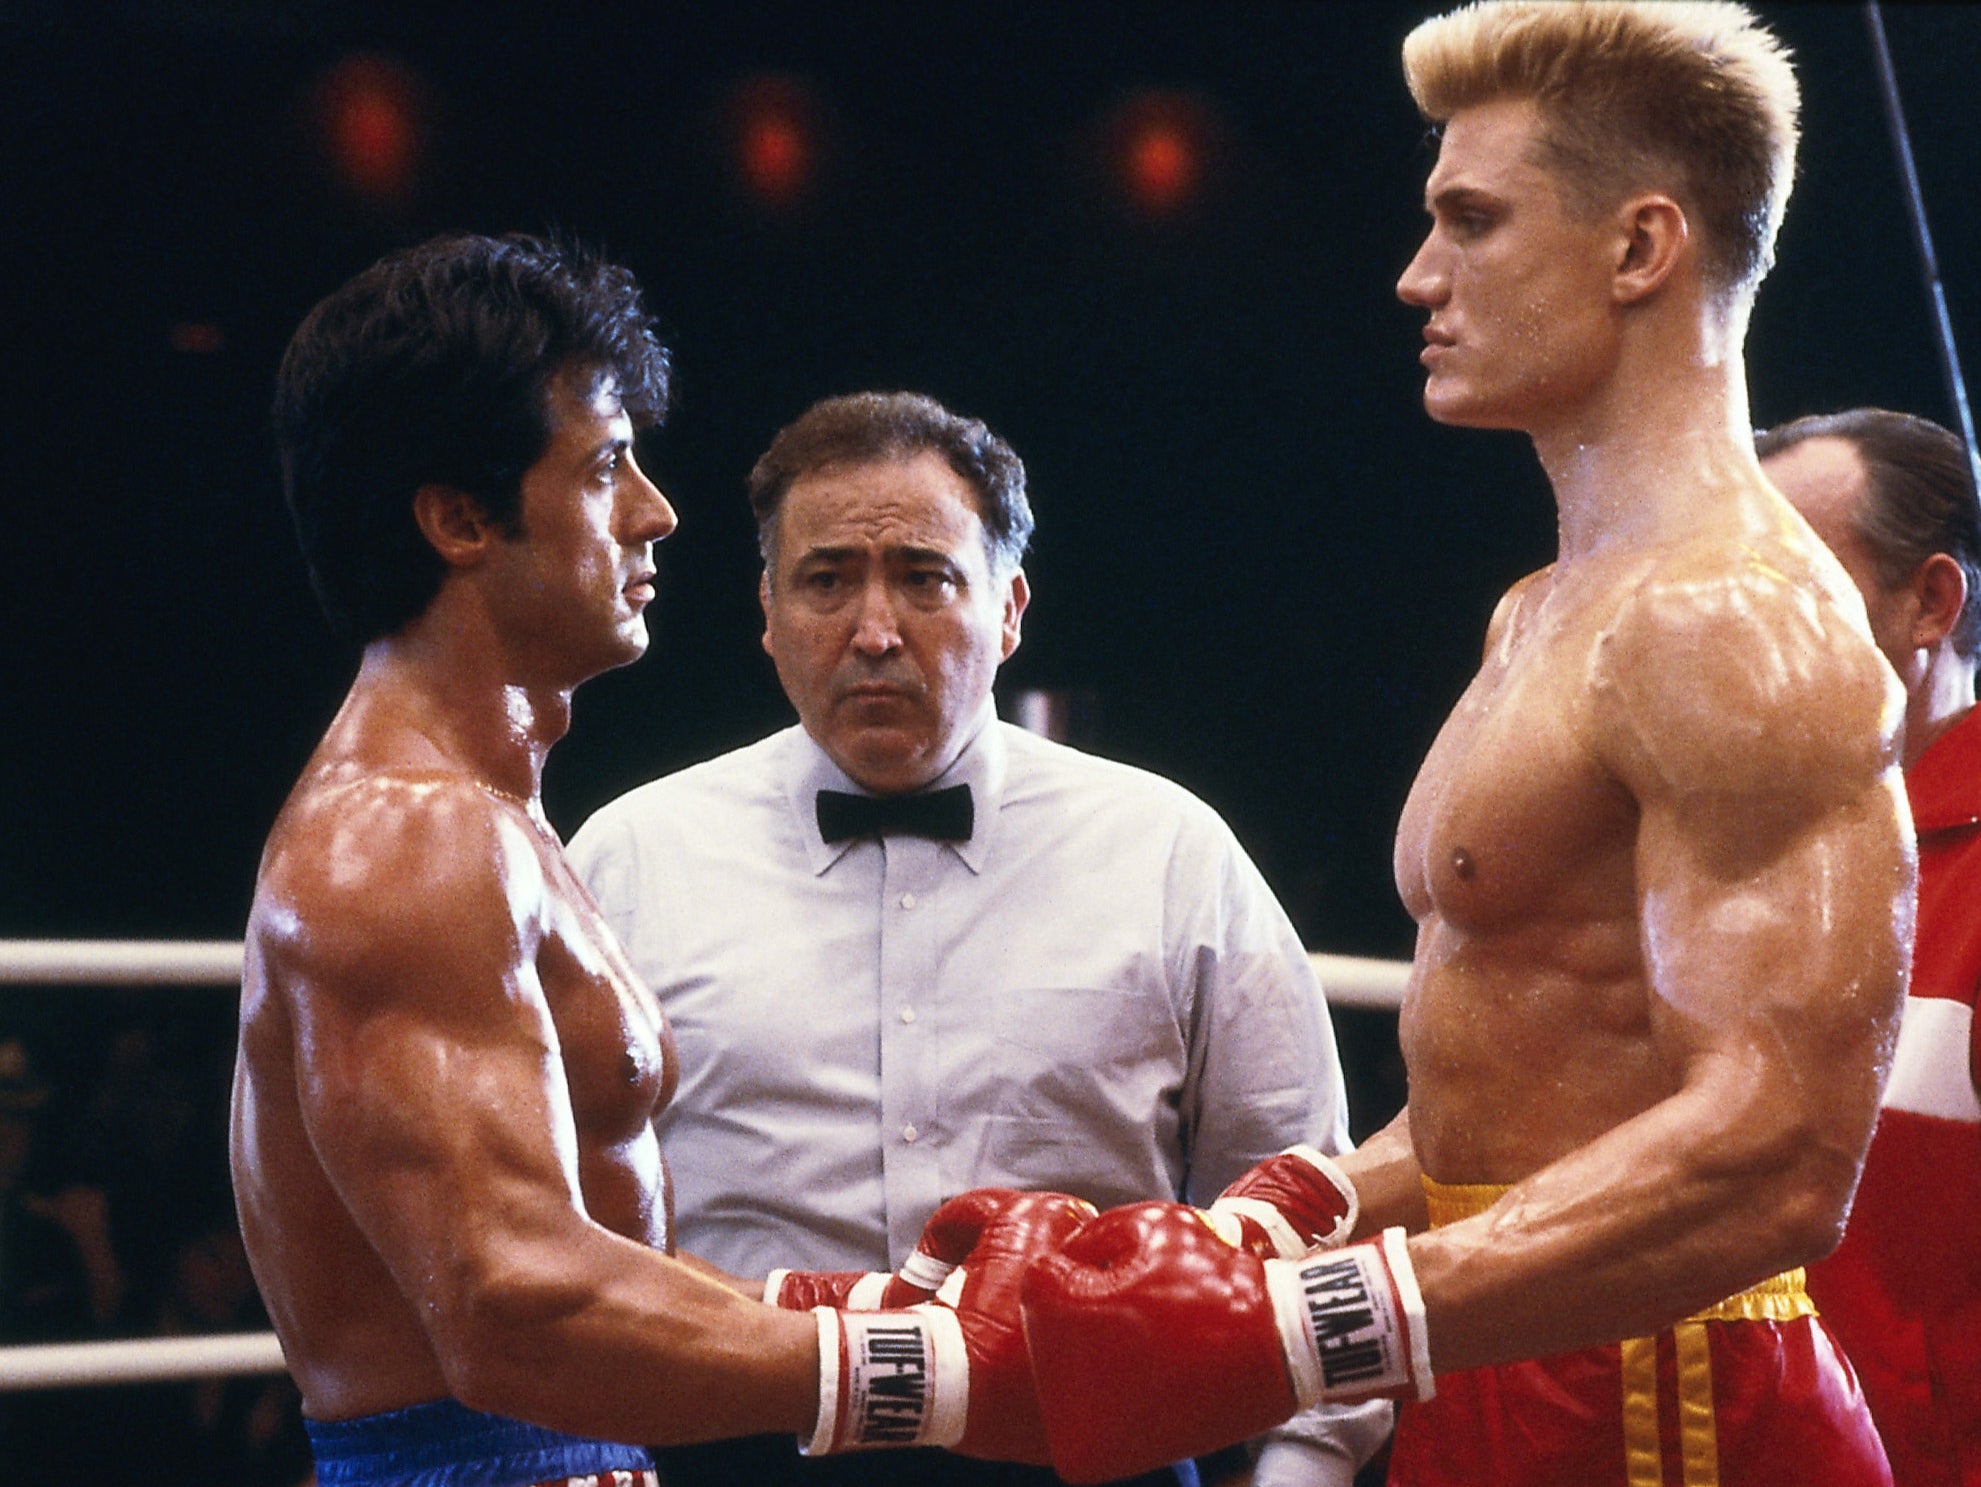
1695, 99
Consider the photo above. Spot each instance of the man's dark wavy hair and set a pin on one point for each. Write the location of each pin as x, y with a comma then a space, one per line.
866, 426
1918, 498
433, 367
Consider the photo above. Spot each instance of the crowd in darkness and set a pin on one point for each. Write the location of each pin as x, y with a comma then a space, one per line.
116, 1222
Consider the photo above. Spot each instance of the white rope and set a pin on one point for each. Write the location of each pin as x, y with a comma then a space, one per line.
1351, 980
150, 1360
120, 962
1357, 981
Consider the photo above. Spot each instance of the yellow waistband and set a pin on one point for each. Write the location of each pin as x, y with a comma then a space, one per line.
1780, 1298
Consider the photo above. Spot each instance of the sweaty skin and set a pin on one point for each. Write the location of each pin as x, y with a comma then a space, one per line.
1652, 862
1658, 855
444, 1161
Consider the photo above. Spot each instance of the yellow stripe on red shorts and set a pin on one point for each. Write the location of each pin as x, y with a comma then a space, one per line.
1780, 1298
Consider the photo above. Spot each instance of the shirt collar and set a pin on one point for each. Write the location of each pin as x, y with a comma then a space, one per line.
808, 769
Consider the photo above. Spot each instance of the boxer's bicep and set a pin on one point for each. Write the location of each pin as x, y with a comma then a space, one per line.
1755, 731
428, 1069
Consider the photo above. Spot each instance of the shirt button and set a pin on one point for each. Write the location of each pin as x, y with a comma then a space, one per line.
907, 900
909, 1133
907, 1014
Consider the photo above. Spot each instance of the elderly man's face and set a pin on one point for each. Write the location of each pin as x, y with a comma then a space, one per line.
884, 617
1824, 478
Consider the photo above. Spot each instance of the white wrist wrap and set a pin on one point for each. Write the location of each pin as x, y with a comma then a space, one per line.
868, 1291
890, 1378
925, 1270
1351, 1323
773, 1283
1224, 1215
1339, 1180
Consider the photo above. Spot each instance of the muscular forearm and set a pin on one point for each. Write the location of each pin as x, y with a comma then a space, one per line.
695, 1263
621, 1343
1693, 1201
1389, 1189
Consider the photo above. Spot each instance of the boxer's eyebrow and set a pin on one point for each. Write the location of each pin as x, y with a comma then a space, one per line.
1455, 199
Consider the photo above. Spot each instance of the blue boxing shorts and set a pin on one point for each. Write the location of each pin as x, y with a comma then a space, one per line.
445, 1444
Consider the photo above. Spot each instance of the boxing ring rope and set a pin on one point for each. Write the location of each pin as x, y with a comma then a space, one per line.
120, 962
1351, 981
147, 1360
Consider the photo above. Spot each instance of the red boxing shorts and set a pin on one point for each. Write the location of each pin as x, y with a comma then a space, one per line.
1750, 1393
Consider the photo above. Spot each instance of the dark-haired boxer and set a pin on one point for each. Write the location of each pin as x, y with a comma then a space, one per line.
443, 1149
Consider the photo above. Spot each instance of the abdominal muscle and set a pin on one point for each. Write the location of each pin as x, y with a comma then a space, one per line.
1515, 1062
1527, 1026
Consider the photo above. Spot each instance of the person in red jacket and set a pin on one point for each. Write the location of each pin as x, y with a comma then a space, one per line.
1893, 495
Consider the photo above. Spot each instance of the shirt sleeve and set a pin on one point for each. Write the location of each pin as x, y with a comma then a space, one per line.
1263, 1071
1264, 1074
1322, 1447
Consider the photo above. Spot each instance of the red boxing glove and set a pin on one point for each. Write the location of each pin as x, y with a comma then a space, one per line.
1153, 1340
942, 1375
946, 1239
1287, 1206
854, 1290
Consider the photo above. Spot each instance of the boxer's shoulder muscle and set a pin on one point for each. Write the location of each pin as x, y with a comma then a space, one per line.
1733, 671
368, 880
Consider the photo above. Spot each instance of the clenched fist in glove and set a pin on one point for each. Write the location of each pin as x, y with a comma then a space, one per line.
952, 1373
946, 1239
1288, 1206
1152, 1339
921, 1275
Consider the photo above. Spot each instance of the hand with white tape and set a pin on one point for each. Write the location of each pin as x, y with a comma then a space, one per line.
946, 1239
1287, 1206
952, 1372
1154, 1339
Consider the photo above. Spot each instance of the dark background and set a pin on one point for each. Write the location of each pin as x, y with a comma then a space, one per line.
1263, 568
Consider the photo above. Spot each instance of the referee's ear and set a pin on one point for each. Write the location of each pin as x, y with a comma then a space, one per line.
1017, 594
1939, 594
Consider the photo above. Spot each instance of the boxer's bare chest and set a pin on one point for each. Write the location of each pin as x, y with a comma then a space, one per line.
1515, 854
618, 1056
1514, 820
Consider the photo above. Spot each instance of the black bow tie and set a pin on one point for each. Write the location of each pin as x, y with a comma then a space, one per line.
944, 815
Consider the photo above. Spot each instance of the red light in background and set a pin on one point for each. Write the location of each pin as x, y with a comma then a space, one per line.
1163, 167
776, 157
1159, 148
371, 115
196, 337
777, 139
